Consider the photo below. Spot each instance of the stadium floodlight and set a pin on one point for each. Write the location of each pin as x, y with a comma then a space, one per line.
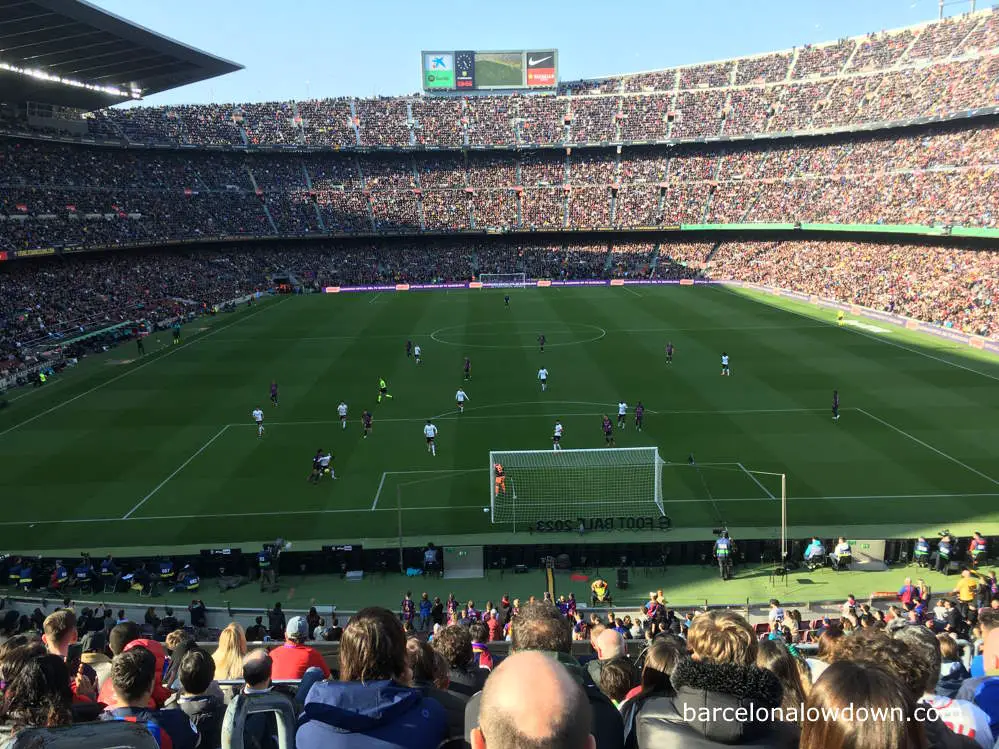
503, 280
42, 75
532, 485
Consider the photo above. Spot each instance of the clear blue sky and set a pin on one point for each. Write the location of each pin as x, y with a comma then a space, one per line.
299, 49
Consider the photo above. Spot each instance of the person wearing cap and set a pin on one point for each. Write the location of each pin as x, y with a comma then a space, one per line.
95, 655
294, 658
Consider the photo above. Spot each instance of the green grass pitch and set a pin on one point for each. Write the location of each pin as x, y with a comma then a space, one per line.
502, 70
163, 452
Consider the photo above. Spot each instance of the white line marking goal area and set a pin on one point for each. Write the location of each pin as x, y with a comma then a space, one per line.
384, 482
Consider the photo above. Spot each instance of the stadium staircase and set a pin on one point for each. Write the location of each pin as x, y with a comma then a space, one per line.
308, 184
905, 55
416, 177
794, 61
960, 44
263, 203
654, 260
566, 194
364, 183
711, 254
353, 123
300, 126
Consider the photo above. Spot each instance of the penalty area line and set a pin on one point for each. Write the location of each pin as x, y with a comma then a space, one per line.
443, 471
182, 466
756, 480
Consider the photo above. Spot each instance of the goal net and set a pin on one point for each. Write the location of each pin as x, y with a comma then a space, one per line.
503, 280
531, 485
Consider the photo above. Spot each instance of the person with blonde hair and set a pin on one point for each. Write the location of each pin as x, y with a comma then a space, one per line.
719, 679
228, 656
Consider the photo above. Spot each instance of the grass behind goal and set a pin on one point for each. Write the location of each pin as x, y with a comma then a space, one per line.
162, 451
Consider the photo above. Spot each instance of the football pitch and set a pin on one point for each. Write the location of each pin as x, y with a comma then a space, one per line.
129, 453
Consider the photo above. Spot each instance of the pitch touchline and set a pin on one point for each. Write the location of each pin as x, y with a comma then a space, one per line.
158, 357
457, 508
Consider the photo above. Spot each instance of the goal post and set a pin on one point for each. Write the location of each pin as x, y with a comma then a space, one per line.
532, 485
503, 280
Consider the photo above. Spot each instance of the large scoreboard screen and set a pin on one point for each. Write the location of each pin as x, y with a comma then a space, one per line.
468, 70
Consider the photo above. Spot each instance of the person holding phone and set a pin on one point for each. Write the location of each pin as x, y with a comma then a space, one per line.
60, 638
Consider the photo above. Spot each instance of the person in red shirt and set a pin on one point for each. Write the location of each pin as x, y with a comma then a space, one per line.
294, 658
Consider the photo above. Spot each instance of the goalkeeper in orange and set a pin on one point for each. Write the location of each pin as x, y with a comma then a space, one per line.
500, 479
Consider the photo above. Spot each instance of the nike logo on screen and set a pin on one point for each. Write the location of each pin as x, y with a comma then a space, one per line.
532, 61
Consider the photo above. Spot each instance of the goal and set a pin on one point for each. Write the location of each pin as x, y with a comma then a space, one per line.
574, 484
503, 280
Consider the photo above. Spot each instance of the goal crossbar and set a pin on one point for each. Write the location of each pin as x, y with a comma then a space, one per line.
503, 280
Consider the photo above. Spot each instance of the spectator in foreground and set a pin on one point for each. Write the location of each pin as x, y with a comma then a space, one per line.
775, 658
721, 673
58, 633
228, 656
430, 677
134, 676
95, 655
554, 712
608, 644
654, 692
455, 644
962, 717
908, 669
952, 670
617, 677
36, 692
539, 626
294, 658
860, 684
197, 673
371, 707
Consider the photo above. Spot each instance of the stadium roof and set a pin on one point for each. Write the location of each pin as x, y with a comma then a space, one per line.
75, 41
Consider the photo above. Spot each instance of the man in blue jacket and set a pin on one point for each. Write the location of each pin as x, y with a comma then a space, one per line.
371, 707
133, 674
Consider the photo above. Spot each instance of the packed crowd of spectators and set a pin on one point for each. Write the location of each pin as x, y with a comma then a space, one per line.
55, 195
442, 670
939, 68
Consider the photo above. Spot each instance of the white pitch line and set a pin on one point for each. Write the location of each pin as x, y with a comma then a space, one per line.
183, 465
631, 291
756, 480
928, 446
133, 370
458, 508
471, 417
374, 505
879, 339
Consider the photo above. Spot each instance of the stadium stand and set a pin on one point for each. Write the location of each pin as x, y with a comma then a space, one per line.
636, 152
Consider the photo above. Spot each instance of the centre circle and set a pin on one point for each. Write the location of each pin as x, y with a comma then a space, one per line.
518, 334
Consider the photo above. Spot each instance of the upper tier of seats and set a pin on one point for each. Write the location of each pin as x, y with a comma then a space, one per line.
940, 69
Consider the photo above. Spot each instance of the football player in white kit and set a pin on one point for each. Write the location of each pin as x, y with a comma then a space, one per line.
342, 411
557, 436
430, 432
258, 416
543, 378
622, 412
460, 397
326, 466
726, 372
417, 353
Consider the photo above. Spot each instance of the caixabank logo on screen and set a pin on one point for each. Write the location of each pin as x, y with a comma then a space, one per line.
541, 68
